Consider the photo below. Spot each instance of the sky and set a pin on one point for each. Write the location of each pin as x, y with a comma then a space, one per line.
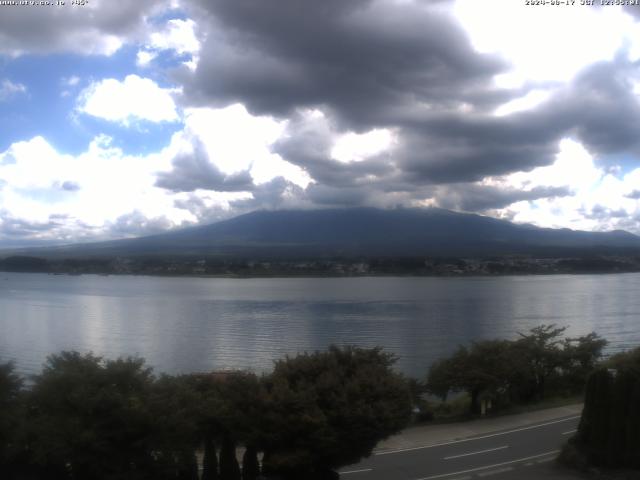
121, 119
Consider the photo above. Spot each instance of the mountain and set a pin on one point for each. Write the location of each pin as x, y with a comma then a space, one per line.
357, 232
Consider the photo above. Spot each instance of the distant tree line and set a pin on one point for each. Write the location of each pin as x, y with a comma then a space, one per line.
84, 417
150, 264
504, 372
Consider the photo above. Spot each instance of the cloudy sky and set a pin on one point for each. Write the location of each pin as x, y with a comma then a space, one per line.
127, 118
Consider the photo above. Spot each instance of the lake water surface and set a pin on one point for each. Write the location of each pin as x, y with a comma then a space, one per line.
199, 324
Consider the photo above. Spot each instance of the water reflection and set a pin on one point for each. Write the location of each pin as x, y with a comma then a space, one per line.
197, 324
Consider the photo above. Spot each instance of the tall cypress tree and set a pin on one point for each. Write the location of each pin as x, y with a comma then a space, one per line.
250, 465
210, 460
609, 431
229, 468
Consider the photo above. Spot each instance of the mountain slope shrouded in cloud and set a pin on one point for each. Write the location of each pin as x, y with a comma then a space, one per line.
357, 232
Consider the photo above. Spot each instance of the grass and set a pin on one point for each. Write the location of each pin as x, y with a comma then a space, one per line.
457, 409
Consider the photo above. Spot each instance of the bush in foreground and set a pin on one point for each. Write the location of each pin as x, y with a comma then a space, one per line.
85, 417
329, 409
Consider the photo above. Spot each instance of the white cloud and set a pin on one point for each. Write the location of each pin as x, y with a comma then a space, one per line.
134, 98
104, 192
177, 35
71, 81
542, 43
98, 28
145, 57
237, 141
10, 89
107, 184
354, 147
592, 189
529, 101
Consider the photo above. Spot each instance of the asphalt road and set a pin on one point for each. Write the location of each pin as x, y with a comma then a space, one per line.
522, 453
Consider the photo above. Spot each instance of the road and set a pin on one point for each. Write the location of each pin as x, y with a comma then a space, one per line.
522, 453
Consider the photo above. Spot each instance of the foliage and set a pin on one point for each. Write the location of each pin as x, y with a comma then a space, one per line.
10, 415
522, 370
329, 409
175, 434
540, 358
609, 430
250, 464
88, 418
484, 369
581, 357
626, 360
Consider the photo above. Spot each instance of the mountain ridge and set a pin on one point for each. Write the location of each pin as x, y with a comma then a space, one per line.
360, 231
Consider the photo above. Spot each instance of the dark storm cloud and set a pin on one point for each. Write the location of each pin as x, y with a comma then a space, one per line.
307, 142
600, 212
366, 64
478, 198
26, 29
193, 171
363, 60
402, 65
602, 108
338, 197
276, 193
464, 147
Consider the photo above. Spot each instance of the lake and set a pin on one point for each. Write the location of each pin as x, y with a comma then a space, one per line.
198, 324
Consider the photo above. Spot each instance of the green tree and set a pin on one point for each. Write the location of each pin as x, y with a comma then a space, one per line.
609, 430
581, 357
10, 419
484, 370
88, 417
329, 409
539, 358
230, 411
626, 360
250, 465
175, 434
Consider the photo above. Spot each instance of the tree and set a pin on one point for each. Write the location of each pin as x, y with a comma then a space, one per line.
88, 417
609, 430
230, 412
540, 357
485, 369
515, 371
581, 357
626, 360
10, 418
175, 433
250, 465
329, 409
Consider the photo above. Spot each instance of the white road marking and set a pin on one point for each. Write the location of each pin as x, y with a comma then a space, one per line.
495, 472
389, 452
476, 453
569, 432
356, 471
544, 460
477, 469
